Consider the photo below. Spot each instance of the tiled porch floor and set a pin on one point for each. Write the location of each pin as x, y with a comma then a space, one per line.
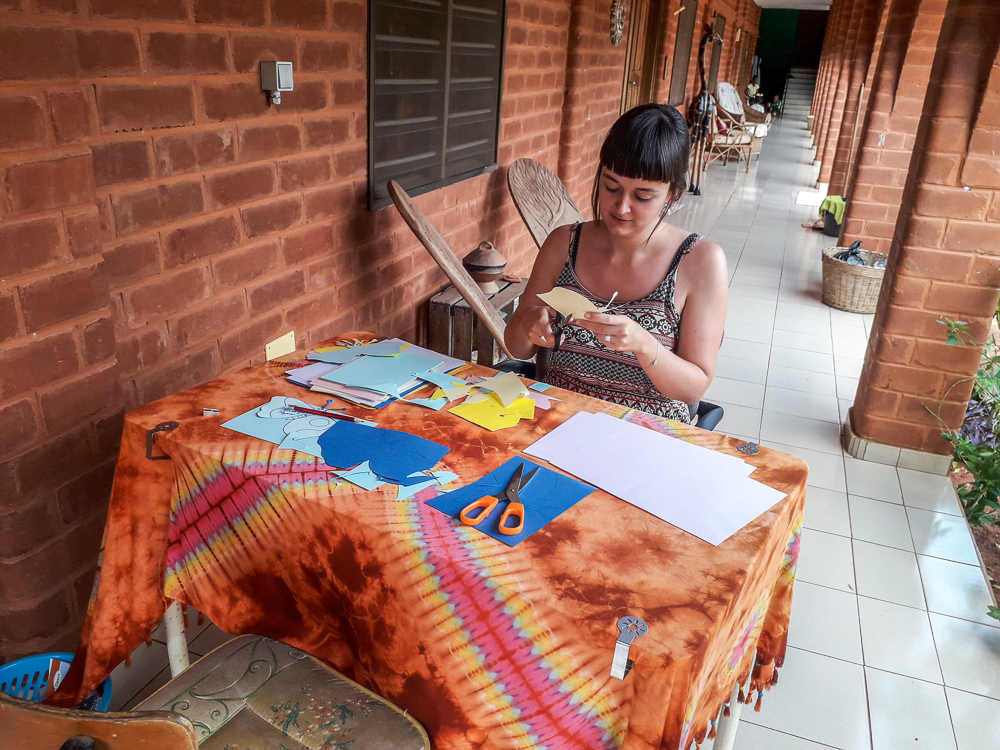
890, 646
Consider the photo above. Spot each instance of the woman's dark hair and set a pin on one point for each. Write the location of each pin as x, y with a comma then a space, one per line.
649, 142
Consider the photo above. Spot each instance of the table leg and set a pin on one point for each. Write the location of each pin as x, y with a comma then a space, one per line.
177, 648
729, 724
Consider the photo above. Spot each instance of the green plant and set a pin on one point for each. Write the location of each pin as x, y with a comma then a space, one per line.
958, 331
979, 497
994, 612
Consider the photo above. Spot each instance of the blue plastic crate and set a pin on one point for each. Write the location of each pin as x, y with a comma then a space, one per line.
28, 679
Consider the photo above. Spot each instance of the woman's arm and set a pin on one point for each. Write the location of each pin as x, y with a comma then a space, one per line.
531, 321
683, 375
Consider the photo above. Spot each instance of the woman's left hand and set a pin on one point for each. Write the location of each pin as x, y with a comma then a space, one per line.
618, 332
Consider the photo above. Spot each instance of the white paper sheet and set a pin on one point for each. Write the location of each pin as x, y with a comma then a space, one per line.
704, 492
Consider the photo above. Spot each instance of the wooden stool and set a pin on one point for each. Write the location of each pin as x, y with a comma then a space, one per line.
454, 329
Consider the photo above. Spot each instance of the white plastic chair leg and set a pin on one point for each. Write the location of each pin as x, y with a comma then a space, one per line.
177, 647
726, 731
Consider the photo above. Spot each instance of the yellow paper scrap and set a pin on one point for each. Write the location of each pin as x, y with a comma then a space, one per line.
525, 408
507, 386
569, 302
487, 413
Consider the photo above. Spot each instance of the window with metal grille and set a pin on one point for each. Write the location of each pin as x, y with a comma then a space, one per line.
682, 51
435, 69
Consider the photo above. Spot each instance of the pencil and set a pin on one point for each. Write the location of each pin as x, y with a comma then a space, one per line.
331, 414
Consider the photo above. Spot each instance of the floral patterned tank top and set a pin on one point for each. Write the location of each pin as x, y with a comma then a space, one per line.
584, 365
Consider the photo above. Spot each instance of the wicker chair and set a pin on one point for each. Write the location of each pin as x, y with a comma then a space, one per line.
732, 110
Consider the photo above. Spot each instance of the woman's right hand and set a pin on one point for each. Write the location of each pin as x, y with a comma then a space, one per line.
540, 327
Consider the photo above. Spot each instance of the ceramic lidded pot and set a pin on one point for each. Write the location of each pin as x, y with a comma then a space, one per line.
485, 265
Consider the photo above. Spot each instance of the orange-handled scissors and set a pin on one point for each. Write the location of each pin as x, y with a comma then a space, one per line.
489, 502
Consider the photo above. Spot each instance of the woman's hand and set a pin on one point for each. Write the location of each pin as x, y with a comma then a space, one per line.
540, 327
620, 333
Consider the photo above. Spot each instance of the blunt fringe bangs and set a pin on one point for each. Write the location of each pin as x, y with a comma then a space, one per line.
649, 142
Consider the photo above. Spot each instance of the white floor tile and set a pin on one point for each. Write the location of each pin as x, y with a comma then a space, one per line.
744, 288
801, 360
126, 682
928, 492
741, 420
746, 329
888, 574
736, 392
956, 590
808, 381
744, 350
801, 404
976, 719
211, 638
869, 479
805, 341
844, 407
807, 433
970, 655
162, 678
907, 713
849, 366
826, 470
825, 621
898, 639
849, 348
753, 737
842, 318
819, 699
879, 522
826, 510
746, 370
848, 331
941, 535
826, 560
817, 312
846, 387
785, 323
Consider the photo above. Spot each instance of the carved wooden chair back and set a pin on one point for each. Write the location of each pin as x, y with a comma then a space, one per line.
541, 198
432, 240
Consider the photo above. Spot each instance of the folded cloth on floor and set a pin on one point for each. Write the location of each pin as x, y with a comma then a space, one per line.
835, 205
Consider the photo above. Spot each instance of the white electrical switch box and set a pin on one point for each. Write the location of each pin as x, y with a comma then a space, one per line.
276, 77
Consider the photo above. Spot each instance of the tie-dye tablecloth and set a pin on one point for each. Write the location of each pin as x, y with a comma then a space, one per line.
488, 646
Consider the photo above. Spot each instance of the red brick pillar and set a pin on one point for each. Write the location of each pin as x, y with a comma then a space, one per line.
828, 143
886, 142
822, 69
840, 11
861, 66
945, 257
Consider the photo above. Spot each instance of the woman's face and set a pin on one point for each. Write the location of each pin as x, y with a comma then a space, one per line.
630, 207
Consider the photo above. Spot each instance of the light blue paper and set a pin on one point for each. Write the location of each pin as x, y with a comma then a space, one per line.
439, 477
540, 387
302, 375
382, 374
335, 357
440, 379
362, 476
262, 428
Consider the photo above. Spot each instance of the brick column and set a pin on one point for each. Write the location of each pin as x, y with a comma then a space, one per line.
861, 66
824, 66
838, 12
839, 98
945, 256
886, 141
839, 40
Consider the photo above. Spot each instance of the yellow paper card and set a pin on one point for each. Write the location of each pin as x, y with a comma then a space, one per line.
507, 386
525, 408
487, 413
569, 302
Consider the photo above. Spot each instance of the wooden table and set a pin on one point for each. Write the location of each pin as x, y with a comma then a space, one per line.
488, 646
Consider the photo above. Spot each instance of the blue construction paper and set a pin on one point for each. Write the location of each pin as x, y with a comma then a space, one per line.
377, 373
393, 455
440, 379
439, 477
540, 387
262, 428
545, 497
431, 403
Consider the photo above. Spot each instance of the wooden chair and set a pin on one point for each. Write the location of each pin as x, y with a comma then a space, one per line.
731, 109
251, 693
728, 139
542, 200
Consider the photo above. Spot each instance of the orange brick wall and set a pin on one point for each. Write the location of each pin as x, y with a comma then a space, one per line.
159, 222
945, 252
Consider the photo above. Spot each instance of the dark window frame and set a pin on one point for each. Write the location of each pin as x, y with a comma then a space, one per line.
375, 202
680, 65
719, 26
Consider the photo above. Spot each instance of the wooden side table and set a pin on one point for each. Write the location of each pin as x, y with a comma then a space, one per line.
454, 329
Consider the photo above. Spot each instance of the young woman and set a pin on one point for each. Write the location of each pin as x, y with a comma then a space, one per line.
655, 348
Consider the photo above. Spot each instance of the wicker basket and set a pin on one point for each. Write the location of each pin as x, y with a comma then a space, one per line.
848, 287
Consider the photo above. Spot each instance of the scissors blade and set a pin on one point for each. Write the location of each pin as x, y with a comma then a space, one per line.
514, 483
515, 487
